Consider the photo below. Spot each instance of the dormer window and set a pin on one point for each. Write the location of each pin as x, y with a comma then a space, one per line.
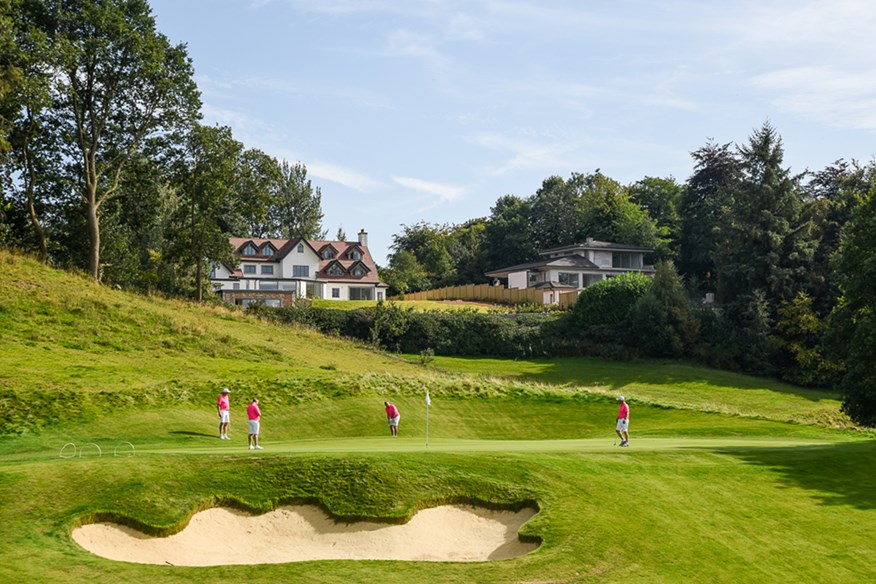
268, 250
328, 253
355, 255
358, 271
249, 250
334, 270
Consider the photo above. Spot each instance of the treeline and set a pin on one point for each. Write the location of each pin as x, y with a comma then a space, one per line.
790, 259
105, 164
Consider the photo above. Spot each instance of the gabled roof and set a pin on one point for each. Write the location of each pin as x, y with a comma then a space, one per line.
284, 247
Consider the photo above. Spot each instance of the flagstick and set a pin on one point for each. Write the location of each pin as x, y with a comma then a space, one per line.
427, 424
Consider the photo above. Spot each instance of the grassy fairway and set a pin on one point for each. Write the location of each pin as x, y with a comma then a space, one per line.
729, 478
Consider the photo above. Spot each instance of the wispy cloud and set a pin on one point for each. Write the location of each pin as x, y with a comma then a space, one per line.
446, 192
549, 155
839, 98
343, 176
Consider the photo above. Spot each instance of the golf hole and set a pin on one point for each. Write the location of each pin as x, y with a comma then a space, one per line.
221, 536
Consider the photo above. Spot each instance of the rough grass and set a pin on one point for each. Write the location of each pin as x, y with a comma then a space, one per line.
718, 487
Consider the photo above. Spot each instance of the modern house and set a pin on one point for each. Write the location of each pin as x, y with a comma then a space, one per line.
574, 267
276, 271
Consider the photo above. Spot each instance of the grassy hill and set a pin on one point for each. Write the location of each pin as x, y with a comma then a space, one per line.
730, 478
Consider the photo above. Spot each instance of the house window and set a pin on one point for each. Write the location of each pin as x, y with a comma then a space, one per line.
358, 271
249, 269
355, 255
334, 270
300, 248
380, 295
249, 250
626, 259
236, 286
533, 277
269, 285
267, 251
336, 292
268, 270
300, 271
361, 293
568, 279
328, 253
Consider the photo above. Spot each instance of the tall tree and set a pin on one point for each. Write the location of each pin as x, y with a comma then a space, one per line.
257, 191
609, 214
766, 243
119, 83
660, 198
854, 320
508, 234
205, 179
703, 206
297, 211
556, 213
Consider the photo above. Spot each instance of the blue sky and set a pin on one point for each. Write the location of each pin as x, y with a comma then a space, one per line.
430, 110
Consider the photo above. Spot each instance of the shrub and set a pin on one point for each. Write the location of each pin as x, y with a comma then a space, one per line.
610, 301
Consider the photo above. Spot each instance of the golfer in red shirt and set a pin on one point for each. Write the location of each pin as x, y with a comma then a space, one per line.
392, 416
623, 422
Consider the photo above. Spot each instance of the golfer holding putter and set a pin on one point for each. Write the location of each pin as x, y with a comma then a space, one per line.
623, 422
392, 416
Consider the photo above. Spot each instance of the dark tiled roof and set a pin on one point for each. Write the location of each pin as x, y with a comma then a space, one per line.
568, 261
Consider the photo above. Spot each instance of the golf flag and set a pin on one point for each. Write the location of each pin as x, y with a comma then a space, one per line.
428, 399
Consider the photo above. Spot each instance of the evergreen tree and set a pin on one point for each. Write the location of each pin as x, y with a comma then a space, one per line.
765, 244
705, 202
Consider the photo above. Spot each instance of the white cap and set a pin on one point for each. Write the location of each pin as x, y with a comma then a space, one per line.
226, 390
620, 398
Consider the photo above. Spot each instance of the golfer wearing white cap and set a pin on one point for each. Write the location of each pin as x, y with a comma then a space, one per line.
623, 422
223, 407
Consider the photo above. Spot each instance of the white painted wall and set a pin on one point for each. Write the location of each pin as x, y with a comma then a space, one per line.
518, 280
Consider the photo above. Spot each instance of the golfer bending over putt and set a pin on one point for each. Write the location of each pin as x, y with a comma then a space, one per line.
623, 422
392, 417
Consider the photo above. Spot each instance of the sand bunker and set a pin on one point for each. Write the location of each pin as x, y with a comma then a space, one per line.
457, 533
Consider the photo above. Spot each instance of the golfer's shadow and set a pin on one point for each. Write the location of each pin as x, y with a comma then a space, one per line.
189, 433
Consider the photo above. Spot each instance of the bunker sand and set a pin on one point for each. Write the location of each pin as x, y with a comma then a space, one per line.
456, 533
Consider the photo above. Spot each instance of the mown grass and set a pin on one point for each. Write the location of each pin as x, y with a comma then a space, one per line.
730, 478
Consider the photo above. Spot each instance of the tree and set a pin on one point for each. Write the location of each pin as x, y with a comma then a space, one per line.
342, 235
705, 202
118, 83
855, 316
296, 211
608, 213
259, 183
508, 234
765, 244
556, 213
205, 179
660, 198
404, 273
663, 322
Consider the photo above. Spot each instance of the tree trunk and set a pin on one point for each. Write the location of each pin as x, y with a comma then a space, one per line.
38, 229
93, 221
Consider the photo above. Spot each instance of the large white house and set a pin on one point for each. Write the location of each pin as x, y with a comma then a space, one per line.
276, 271
574, 267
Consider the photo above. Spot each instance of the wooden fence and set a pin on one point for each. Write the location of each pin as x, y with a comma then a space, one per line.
495, 294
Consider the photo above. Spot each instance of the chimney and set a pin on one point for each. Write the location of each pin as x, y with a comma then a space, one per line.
363, 238
589, 240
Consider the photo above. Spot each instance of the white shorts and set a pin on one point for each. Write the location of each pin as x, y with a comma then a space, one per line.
254, 427
224, 416
623, 424
394, 421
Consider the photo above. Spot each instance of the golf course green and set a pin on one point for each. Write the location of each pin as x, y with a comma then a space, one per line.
109, 415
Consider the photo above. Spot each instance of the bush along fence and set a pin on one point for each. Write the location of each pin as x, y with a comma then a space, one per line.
497, 294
